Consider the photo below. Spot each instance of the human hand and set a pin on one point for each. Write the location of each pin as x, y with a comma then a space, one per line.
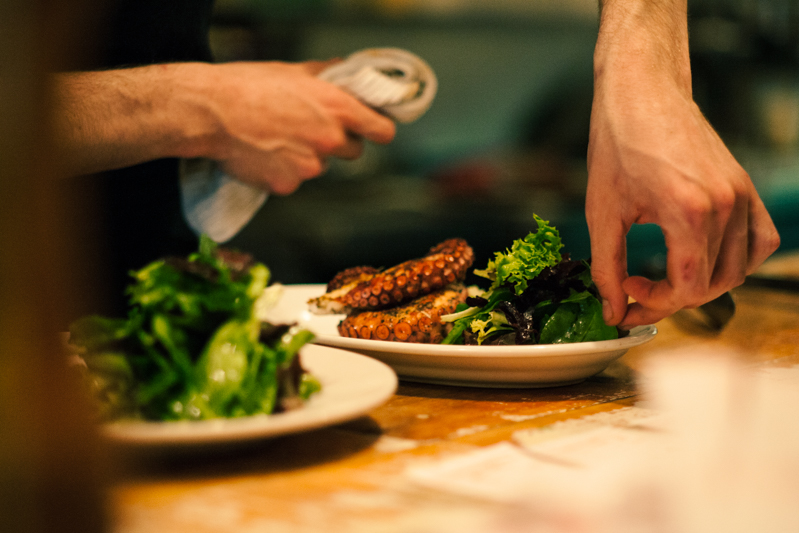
278, 123
654, 158
667, 166
269, 124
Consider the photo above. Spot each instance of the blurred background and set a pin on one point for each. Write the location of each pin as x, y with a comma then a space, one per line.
507, 134
505, 139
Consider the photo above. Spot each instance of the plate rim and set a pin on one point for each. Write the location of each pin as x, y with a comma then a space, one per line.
525, 366
244, 429
638, 336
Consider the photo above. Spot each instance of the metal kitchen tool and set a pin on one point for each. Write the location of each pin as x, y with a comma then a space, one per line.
711, 316
393, 81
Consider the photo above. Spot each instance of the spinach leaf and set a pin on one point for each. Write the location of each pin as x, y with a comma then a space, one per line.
577, 318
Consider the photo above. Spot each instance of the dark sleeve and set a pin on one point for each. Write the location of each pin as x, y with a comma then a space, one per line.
140, 206
143, 32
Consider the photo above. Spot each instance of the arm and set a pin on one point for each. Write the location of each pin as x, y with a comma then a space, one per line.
654, 158
269, 124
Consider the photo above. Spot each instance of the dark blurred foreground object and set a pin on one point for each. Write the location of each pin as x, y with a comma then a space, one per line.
51, 478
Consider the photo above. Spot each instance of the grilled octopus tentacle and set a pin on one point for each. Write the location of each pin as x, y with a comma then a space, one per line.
363, 288
351, 275
415, 321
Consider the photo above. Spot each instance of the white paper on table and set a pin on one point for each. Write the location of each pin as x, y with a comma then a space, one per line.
717, 449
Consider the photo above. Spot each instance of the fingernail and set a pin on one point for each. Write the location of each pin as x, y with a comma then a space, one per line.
607, 311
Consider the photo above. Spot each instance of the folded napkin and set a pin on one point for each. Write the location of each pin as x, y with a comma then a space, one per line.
393, 81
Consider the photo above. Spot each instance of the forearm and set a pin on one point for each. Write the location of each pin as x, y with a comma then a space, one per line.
111, 119
654, 158
270, 124
644, 41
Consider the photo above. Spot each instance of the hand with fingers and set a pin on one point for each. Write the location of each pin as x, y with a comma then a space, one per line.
269, 124
282, 123
654, 158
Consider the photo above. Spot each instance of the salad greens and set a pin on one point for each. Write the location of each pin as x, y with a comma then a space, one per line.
526, 259
537, 296
192, 347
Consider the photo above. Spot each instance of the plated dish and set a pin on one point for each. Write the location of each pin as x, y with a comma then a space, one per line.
544, 365
352, 385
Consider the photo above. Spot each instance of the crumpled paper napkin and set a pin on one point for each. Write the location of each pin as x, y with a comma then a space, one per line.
391, 80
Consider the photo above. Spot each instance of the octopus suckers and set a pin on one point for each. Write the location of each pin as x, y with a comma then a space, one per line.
403, 303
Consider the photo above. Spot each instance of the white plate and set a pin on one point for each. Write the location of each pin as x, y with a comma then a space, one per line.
352, 385
543, 365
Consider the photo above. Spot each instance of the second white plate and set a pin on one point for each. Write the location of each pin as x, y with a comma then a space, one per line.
542, 365
352, 385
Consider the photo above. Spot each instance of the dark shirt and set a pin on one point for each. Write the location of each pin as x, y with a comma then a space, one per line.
143, 32
140, 205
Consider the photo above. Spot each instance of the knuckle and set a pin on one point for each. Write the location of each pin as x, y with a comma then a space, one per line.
310, 168
773, 242
389, 131
602, 277
696, 207
330, 140
354, 151
725, 198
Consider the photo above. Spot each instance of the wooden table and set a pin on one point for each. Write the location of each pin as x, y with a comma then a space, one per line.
349, 477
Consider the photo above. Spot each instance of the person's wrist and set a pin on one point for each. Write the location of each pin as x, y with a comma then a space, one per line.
192, 110
643, 42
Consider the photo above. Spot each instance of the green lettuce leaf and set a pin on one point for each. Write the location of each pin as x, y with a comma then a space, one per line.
191, 346
577, 318
526, 258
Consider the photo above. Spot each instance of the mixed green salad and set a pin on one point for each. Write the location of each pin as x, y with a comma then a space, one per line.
537, 296
192, 347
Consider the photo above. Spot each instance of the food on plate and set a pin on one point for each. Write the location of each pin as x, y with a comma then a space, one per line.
366, 288
537, 296
192, 346
402, 303
416, 321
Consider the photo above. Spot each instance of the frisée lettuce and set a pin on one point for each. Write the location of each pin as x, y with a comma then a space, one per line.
537, 296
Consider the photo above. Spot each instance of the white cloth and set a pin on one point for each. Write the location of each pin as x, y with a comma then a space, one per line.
214, 203
393, 81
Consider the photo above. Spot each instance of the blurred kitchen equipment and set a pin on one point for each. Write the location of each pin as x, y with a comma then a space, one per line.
711, 316
772, 282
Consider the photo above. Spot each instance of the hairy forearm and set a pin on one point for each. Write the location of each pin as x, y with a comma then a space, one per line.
111, 119
644, 39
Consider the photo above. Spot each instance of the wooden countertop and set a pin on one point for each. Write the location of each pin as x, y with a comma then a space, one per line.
350, 477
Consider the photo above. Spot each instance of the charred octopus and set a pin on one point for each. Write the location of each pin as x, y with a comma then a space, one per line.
402, 303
